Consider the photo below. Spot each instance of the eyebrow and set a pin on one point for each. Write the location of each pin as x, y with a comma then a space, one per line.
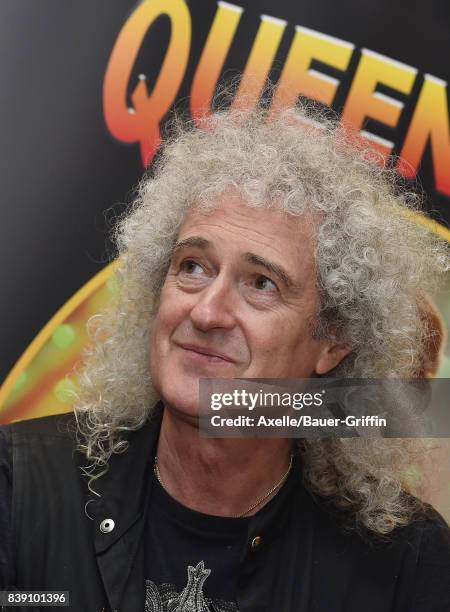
193, 241
272, 267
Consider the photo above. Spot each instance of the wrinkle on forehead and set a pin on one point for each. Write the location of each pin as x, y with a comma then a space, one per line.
235, 216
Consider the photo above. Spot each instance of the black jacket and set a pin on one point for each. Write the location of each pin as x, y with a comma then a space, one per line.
305, 561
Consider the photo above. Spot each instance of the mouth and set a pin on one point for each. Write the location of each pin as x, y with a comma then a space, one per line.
207, 353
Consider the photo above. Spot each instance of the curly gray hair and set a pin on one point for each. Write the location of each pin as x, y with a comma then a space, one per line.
374, 266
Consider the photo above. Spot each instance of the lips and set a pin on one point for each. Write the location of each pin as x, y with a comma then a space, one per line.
208, 352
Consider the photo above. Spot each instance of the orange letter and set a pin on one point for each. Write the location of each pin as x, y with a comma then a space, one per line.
363, 101
298, 78
429, 123
213, 57
141, 123
260, 60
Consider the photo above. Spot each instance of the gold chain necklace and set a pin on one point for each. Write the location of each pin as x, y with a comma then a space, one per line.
254, 504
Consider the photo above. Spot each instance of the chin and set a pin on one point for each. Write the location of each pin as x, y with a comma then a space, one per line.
182, 398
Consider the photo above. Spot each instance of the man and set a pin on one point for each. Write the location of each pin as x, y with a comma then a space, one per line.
261, 247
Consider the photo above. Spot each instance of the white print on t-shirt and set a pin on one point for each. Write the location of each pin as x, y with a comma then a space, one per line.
164, 598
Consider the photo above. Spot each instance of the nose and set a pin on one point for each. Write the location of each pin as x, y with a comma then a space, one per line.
215, 306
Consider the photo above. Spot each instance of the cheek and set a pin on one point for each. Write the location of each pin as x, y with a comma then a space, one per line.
173, 311
160, 347
282, 344
160, 333
267, 340
168, 316
154, 352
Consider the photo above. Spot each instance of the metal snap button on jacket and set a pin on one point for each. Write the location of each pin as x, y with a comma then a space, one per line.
256, 543
107, 525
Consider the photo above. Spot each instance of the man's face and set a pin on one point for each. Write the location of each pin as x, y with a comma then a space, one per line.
239, 300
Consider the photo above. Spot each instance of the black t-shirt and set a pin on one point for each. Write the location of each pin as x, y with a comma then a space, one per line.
191, 558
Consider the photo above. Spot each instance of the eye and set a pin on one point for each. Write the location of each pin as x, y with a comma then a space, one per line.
191, 267
263, 283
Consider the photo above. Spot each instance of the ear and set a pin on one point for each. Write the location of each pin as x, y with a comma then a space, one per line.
435, 339
331, 355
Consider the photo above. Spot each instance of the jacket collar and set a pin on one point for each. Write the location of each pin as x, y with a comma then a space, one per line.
124, 490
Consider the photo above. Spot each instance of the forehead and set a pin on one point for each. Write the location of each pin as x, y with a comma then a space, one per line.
234, 227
